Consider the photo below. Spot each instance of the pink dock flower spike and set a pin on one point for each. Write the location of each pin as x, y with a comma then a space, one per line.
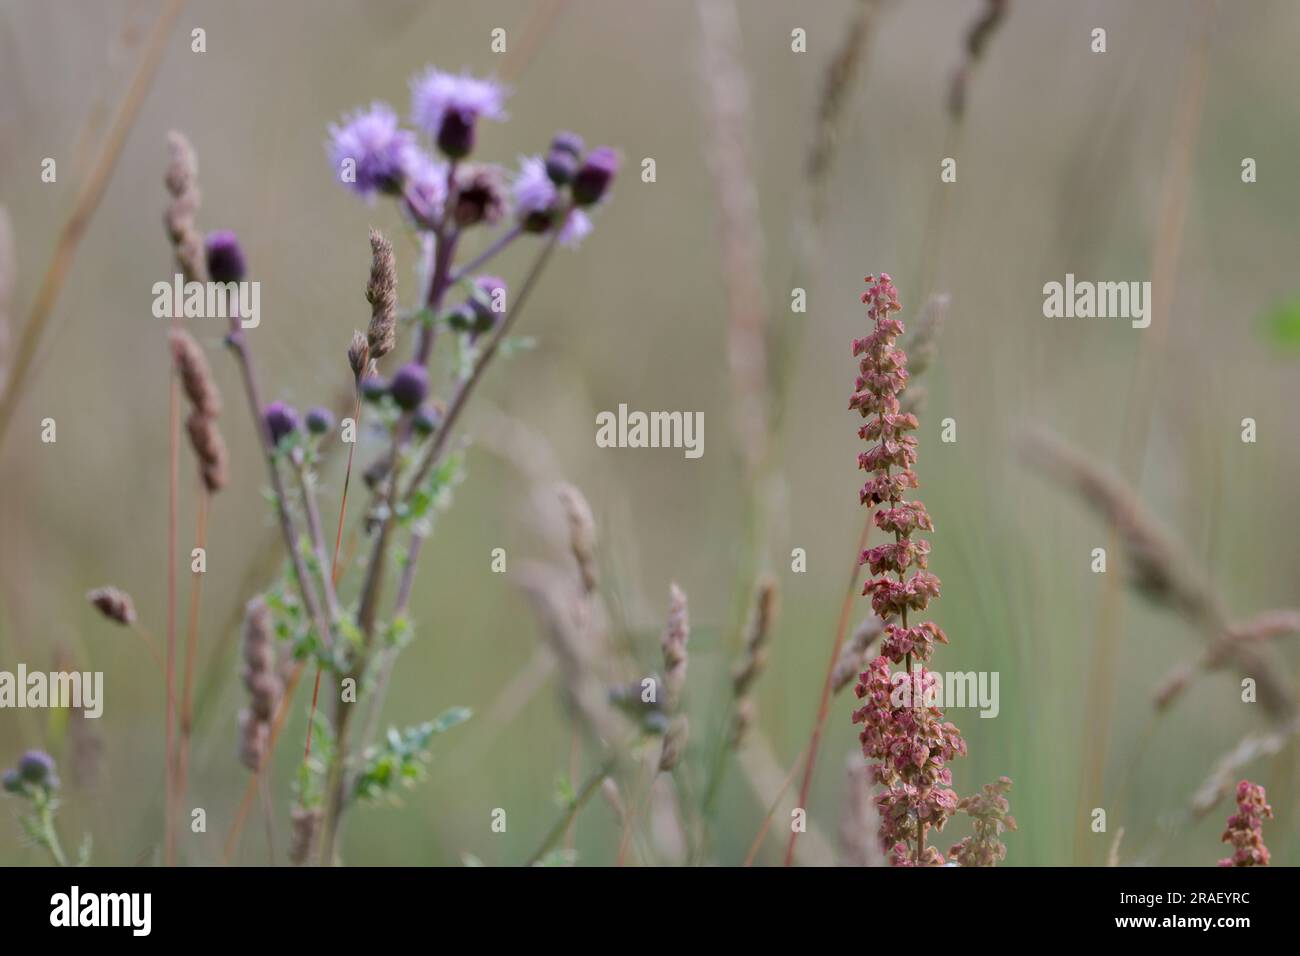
1245, 830
907, 739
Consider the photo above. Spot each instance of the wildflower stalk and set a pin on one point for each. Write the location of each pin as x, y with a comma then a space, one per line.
574, 807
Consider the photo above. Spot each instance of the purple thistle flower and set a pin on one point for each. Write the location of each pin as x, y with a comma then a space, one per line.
488, 291
448, 107
426, 187
410, 386
536, 197
11, 782
281, 421
36, 766
537, 203
319, 420
594, 177
377, 146
225, 257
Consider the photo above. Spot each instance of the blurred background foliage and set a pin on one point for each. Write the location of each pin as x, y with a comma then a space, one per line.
1062, 164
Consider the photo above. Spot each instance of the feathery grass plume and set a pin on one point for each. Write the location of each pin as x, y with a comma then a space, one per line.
196, 374
853, 655
1251, 748
1155, 567
381, 293
358, 356
113, 604
977, 40
582, 533
676, 634
305, 825
1245, 830
201, 390
858, 818
754, 659
1160, 570
741, 235
837, 83
908, 738
183, 185
262, 680
988, 811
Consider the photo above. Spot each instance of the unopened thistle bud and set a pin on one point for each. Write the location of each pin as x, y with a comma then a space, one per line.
281, 421
593, 179
373, 388
319, 420
225, 257
409, 386
563, 159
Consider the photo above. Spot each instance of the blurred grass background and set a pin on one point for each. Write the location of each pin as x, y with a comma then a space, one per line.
1060, 169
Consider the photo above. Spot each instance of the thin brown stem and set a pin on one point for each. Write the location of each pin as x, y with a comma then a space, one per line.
173, 462
83, 209
823, 708
191, 652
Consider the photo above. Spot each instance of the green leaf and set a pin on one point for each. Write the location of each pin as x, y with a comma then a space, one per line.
1282, 324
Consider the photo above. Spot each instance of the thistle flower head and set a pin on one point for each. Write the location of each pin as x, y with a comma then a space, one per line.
37, 767
481, 195
410, 386
281, 420
225, 257
448, 107
319, 420
370, 152
595, 175
373, 388
1245, 830
113, 604
564, 158
426, 188
538, 204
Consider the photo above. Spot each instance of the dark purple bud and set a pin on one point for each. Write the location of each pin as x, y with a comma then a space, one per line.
410, 386
456, 135
373, 388
593, 178
426, 420
281, 420
462, 318
225, 257
564, 158
488, 303
319, 420
36, 766
12, 782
